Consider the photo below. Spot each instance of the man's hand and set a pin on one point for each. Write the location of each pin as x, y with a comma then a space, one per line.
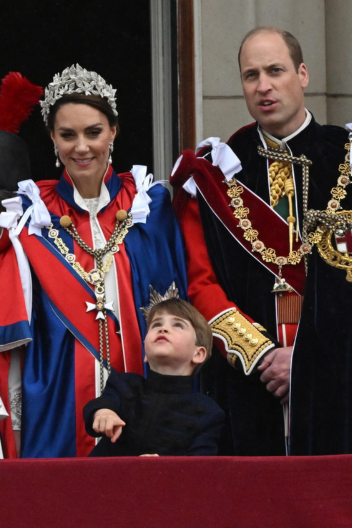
109, 423
149, 455
275, 369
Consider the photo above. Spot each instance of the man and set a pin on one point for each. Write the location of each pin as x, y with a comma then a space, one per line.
247, 265
18, 97
14, 166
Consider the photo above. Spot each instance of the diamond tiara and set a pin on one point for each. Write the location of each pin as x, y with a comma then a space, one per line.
76, 80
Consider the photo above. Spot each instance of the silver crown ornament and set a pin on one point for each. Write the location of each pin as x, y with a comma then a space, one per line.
156, 298
76, 80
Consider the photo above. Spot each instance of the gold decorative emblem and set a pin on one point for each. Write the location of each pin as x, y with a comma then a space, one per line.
320, 226
333, 256
281, 286
100, 306
95, 276
251, 235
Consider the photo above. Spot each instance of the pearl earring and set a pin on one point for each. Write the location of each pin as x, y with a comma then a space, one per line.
57, 162
111, 150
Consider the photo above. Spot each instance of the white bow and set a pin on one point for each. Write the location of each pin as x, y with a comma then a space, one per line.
140, 208
222, 156
225, 158
14, 211
212, 142
38, 212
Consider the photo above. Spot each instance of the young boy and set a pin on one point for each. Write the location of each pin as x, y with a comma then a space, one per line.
160, 415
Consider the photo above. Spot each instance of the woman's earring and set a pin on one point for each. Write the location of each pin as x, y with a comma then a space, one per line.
111, 150
57, 162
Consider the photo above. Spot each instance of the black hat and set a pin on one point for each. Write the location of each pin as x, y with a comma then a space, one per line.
17, 98
14, 161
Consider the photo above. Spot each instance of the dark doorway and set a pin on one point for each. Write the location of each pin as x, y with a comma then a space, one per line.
112, 37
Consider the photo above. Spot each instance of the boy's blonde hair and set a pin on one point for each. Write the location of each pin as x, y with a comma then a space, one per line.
185, 310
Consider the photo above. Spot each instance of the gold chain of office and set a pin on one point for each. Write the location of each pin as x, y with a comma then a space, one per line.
97, 275
241, 212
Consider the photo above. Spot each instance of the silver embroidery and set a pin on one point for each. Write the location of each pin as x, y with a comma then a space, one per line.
92, 206
16, 409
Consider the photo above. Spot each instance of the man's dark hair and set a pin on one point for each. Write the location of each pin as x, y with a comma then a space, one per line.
291, 42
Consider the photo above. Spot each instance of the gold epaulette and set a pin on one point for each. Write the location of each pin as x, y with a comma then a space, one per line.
242, 338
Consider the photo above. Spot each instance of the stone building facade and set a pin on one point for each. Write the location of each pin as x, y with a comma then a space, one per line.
321, 26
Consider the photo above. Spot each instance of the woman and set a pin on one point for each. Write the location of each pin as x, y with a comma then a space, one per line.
97, 244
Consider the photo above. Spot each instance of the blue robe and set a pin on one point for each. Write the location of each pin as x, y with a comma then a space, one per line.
59, 362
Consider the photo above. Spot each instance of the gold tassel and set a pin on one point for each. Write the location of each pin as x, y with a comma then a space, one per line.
290, 192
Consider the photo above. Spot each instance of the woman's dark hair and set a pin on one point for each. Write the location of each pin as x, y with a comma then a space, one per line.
95, 101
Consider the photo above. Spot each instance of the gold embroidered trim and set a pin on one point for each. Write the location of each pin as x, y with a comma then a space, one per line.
259, 327
242, 337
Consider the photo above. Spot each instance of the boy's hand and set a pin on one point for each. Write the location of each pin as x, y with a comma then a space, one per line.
109, 423
149, 455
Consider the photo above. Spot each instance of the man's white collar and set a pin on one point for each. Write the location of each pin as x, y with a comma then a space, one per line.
282, 142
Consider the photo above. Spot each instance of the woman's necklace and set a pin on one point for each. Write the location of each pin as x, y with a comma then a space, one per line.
97, 275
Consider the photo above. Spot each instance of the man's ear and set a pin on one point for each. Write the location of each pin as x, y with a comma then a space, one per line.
199, 356
303, 75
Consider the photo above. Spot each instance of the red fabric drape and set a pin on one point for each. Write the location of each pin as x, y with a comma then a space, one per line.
171, 492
